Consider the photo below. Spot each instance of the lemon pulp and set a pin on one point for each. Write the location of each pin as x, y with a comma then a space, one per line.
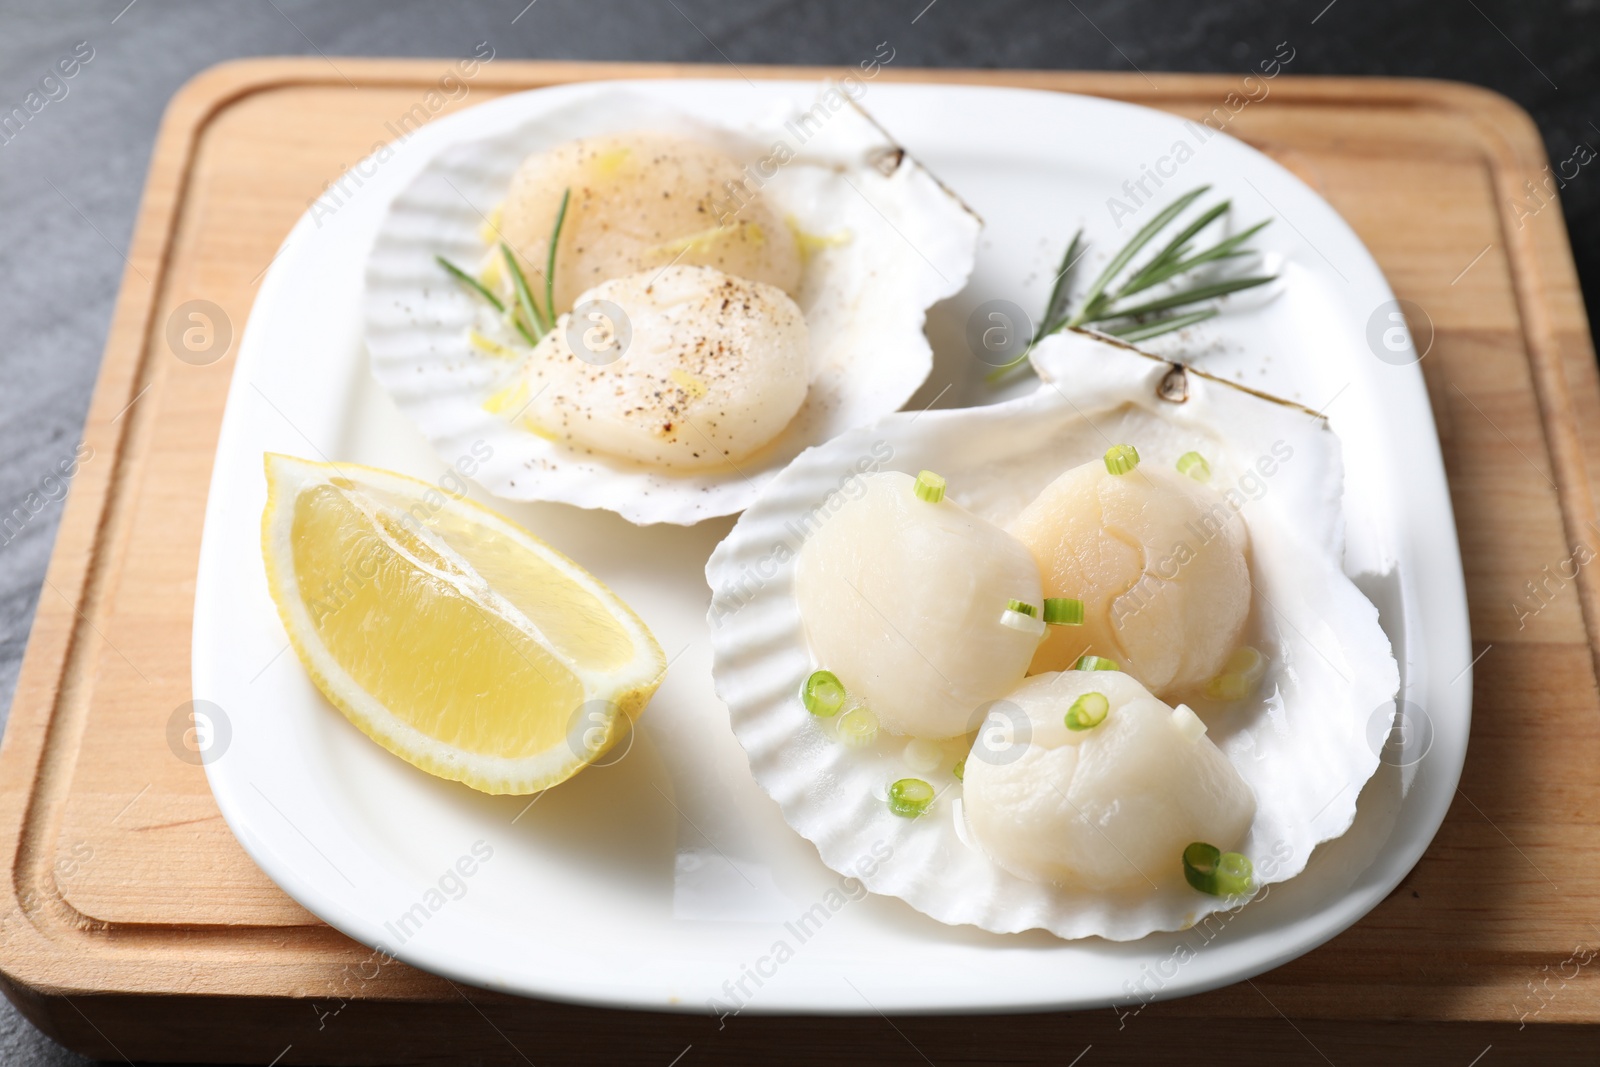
448, 634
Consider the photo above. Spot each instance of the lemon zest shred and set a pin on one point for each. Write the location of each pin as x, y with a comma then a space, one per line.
699, 242
491, 276
704, 241
489, 346
489, 229
514, 394
608, 163
688, 382
809, 244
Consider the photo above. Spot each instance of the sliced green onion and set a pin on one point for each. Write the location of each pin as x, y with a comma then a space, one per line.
1227, 687
1221, 874
550, 260
1120, 459
960, 769
1200, 866
930, 487
1239, 676
858, 727
1022, 622
823, 694
1190, 725
910, 797
1021, 605
1235, 874
1063, 611
1195, 466
1096, 663
1250, 662
1088, 711
519, 282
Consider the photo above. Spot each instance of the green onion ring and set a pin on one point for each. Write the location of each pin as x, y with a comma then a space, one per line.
910, 797
1088, 711
1063, 611
823, 694
1120, 459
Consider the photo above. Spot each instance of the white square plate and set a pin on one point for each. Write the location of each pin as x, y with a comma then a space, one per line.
668, 879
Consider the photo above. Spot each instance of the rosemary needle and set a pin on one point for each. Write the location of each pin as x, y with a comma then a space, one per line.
550, 260
519, 282
1094, 298
1137, 332
478, 287
472, 283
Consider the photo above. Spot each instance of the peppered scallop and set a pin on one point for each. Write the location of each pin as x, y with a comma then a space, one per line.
700, 368
643, 200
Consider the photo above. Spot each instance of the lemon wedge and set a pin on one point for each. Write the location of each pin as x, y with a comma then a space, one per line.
448, 634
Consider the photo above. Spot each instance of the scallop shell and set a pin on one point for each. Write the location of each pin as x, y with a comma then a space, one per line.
1302, 743
912, 243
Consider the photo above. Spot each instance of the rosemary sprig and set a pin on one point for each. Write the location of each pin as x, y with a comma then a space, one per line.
1104, 304
534, 322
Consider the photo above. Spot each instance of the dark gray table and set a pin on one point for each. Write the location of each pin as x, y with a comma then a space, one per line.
70, 181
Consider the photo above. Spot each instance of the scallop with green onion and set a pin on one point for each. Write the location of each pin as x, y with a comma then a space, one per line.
909, 601
1110, 785
1159, 561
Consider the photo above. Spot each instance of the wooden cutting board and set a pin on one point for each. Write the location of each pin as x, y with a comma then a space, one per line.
135, 926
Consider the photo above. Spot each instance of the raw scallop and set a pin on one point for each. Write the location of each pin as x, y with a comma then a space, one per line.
1160, 563
902, 600
1102, 808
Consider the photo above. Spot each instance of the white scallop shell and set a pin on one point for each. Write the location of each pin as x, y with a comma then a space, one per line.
912, 244
1302, 745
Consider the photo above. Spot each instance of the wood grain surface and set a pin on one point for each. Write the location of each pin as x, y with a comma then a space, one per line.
135, 926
